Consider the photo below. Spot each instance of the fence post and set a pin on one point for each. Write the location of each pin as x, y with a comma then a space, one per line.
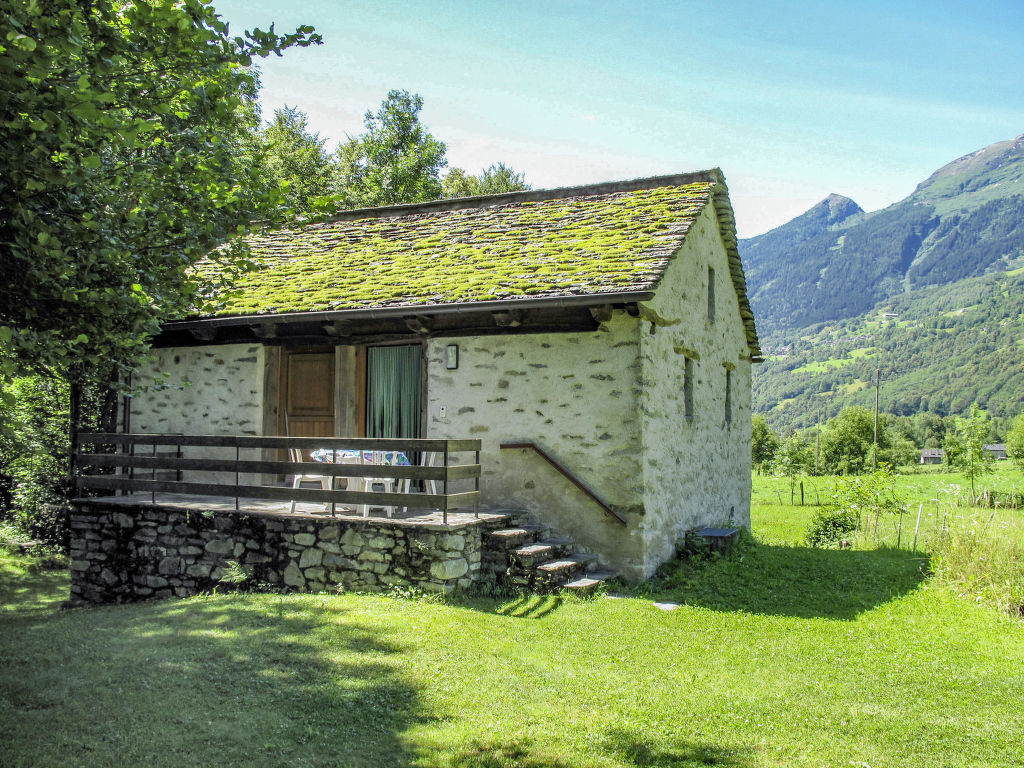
152, 496
444, 485
238, 457
476, 486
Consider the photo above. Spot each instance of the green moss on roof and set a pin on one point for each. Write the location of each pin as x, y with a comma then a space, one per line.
586, 244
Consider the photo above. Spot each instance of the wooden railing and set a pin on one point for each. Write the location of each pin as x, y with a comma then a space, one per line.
561, 469
140, 453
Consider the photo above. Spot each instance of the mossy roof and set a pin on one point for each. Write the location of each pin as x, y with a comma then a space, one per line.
596, 240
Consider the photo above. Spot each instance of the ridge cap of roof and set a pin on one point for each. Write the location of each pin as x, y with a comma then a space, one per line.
712, 175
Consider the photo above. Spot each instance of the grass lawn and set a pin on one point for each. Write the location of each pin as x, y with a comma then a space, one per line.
782, 656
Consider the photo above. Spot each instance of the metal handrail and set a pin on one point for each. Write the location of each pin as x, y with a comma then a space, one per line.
561, 469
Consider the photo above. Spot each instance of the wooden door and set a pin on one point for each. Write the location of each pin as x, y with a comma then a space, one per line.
308, 394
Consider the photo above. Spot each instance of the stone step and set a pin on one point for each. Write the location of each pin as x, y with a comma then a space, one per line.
542, 551
555, 573
590, 581
511, 539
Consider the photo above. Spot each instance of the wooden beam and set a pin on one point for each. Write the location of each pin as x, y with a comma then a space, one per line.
602, 313
465, 499
204, 332
511, 318
149, 463
337, 328
265, 330
419, 323
406, 445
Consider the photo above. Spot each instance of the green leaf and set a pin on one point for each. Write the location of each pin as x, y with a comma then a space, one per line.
22, 41
91, 161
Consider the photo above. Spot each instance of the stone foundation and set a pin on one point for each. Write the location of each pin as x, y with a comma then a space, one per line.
122, 553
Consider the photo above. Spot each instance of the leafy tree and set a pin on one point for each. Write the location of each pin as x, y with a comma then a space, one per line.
963, 444
1015, 442
901, 451
494, 180
793, 459
296, 157
852, 504
396, 160
847, 441
929, 430
457, 183
500, 178
34, 451
121, 127
763, 443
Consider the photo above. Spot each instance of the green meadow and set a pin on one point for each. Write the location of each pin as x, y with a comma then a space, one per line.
777, 655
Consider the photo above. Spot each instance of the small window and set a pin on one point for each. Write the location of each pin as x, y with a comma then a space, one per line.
688, 389
711, 294
728, 397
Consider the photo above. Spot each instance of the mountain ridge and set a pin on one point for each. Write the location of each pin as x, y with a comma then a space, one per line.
929, 290
836, 261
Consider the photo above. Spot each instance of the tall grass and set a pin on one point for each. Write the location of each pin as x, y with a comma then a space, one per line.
981, 559
974, 543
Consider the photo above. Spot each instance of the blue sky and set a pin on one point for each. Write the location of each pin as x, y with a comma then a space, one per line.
793, 100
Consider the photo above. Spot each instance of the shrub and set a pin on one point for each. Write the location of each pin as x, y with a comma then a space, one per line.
830, 525
853, 503
34, 446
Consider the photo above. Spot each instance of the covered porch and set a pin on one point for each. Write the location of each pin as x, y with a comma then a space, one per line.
415, 479
195, 510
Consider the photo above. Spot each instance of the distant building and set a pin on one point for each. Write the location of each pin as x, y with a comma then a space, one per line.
997, 450
932, 455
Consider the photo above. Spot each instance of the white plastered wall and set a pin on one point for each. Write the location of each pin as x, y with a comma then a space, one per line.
207, 390
696, 471
575, 395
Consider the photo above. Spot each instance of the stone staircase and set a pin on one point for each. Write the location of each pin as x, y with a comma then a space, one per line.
525, 555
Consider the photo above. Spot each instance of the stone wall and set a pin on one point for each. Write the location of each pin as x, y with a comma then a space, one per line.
122, 553
696, 470
574, 394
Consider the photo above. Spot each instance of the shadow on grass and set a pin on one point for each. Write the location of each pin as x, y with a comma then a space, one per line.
798, 581
624, 746
530, 606
635, 750
227, 681
28, 587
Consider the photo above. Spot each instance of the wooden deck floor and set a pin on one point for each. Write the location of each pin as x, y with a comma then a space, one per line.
281, 508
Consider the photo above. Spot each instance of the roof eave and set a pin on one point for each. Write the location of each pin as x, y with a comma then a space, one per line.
406, 310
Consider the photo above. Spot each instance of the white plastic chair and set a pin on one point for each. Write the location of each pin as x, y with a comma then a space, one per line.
387, 484
429, 459
295, 455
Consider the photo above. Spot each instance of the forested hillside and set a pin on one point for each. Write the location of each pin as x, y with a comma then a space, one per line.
937, 349
836, 262
929, 291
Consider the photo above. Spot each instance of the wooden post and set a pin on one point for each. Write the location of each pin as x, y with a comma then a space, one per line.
874, 457
801, 493
917, 525
74, 414
899, 530
817, 447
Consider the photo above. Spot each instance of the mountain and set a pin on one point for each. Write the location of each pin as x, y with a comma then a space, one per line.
937, 349
929, 292
835, 261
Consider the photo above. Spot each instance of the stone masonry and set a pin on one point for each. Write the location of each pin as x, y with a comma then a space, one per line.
123, 553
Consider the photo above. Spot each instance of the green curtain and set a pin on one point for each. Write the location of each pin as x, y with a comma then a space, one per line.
393, 388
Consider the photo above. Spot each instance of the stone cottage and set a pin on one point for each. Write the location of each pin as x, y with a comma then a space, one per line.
605, 327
